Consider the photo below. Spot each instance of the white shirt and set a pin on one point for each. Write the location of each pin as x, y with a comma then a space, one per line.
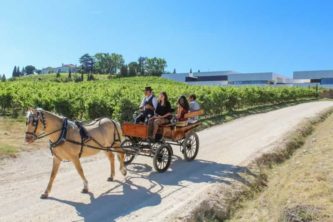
145, 99
194, 106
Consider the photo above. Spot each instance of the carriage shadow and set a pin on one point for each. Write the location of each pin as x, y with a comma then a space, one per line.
200, 171
113, 204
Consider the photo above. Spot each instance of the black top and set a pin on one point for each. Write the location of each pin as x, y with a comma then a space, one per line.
162, 110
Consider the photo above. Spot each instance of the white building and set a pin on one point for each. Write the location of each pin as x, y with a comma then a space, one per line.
227, 78
261, 78
64, 68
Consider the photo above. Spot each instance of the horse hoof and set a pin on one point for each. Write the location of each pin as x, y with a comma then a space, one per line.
44, 196
84, 190
124, 172
110, 179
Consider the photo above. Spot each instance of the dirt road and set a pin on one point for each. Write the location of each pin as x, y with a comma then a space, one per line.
143, 195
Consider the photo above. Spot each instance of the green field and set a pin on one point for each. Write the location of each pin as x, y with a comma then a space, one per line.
118, 98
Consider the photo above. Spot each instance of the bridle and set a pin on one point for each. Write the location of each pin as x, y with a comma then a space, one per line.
34, 119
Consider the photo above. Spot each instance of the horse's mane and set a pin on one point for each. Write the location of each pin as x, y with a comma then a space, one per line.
29, 112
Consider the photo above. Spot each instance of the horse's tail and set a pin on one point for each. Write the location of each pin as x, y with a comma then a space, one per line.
120, 131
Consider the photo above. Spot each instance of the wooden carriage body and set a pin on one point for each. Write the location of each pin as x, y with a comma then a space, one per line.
168, 131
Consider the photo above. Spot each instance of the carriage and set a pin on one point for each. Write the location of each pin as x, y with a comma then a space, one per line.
138, 143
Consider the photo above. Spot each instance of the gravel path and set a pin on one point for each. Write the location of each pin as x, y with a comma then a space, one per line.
143, 195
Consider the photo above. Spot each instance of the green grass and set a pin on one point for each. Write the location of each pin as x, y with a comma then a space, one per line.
229, 116
8, 150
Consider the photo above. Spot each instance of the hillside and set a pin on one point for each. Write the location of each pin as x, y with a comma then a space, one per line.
118, 98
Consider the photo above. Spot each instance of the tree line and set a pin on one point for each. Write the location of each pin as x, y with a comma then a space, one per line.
106, 63
27, 70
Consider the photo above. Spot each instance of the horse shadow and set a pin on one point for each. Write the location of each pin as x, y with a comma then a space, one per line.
113, 204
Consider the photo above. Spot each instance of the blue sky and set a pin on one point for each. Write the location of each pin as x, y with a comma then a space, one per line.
241, 35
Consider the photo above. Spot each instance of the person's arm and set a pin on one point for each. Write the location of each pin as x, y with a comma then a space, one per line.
166, 115
142, 103
179, 112
154, 101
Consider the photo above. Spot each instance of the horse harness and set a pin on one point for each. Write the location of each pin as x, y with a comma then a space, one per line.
85, 137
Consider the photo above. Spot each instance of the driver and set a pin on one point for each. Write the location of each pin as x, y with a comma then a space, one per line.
147, 106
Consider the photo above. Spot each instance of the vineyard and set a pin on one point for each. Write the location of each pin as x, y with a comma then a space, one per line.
119, 98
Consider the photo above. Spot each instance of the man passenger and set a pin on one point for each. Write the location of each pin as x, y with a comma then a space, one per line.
148, 106
194, 106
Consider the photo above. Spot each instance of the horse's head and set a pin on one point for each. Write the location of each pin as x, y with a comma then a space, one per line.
35, 124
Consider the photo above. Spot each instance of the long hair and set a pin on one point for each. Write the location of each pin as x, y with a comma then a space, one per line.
166, 98
182, 101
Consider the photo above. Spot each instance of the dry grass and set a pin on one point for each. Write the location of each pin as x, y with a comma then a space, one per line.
240, 202
12, 137
300, 189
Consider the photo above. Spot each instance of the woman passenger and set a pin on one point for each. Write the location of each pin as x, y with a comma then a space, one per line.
162, 114
182, 108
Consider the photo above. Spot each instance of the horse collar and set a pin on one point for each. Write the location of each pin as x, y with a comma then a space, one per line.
62, 137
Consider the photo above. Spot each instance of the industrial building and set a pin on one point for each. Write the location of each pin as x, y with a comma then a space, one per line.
223, 78
323, 78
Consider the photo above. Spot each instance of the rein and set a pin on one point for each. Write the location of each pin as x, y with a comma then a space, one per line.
63, 135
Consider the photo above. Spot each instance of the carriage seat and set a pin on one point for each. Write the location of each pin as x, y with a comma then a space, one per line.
187, 116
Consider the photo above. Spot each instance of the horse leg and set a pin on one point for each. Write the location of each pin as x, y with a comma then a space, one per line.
111, 159
55, 167
121, 158
79, 169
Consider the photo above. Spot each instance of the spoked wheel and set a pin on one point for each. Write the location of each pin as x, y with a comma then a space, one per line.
190, 146
162, 158
128, 145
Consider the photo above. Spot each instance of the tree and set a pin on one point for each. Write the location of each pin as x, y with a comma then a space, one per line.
124, 70
174, 71
108, 63
190, 70
117, 62
103, 63
90, 77
30, 69
155, 66
70, 73
133, 68
87, 63
23, 71
58, 73
142, 65
3, 78
14, 72
18, 72
198, 70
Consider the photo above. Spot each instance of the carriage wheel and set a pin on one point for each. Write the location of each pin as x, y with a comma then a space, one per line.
191, 146
128, 145
162, 158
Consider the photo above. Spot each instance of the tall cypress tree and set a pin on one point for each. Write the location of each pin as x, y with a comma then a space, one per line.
22, 71
14, 72
18, 72
3, 78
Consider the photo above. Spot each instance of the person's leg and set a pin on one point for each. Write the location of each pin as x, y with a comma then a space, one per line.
157, 123
150, 128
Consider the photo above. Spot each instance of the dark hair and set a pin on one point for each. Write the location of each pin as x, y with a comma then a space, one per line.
193, 96
166, 99
182, 101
